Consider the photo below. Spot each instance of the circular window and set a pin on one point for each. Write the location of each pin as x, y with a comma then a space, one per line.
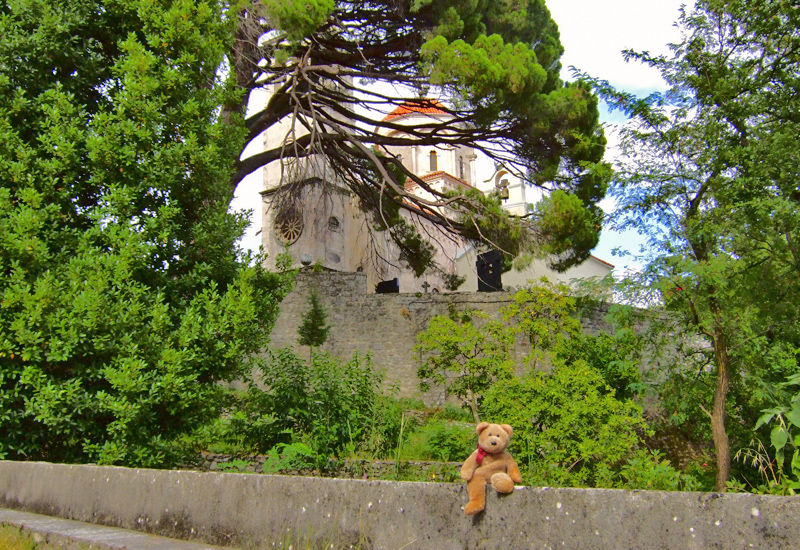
333, 257
333, 223
289, 224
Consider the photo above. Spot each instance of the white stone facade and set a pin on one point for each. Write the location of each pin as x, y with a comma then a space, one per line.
324, 222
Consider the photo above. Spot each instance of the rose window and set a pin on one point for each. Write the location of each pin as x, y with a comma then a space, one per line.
289, 224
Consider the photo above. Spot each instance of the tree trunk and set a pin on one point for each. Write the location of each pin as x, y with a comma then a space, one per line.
473, 405
721, 443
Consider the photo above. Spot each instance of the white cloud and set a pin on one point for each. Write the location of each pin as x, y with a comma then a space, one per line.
595, 33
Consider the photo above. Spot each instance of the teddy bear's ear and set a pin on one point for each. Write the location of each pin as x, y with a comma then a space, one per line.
482, 426
508, 429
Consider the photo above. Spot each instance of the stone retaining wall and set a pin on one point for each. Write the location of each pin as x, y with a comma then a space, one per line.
386, 324
255, 511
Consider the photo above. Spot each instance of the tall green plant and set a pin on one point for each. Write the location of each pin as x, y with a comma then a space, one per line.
709, 172
464, 357
124, 299
328, 404
313, 330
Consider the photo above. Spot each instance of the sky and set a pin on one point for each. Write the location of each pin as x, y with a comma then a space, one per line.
593, 35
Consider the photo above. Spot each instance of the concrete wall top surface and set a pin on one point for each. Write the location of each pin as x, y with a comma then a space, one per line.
255, 511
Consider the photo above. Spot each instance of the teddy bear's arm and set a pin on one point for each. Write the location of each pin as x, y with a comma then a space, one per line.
513, 471
469, 466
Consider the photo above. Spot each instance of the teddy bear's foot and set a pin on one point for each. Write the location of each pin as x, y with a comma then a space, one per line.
502, 483
473, 508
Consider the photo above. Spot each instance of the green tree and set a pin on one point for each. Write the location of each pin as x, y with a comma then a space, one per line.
709, 174
464, 357
467, 354
496, 66
124, 300
313, 330
544, 315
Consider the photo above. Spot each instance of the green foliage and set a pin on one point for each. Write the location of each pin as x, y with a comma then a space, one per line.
441, 440
449, 411
291, 456
614, 357
568, 231
323, 403
465, 353
709, 174
784, 436
124, 299
543, 314
567, 425
573, 426
646, 470
235, 465
464, 358
313, 331
416, 251
298, 19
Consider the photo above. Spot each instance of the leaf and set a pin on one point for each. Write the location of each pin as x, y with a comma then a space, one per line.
793, 416
764, 419
779, 437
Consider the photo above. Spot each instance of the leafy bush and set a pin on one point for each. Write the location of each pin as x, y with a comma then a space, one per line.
614, 357
124, 298
324, 403
646, 470
566, 424
781, 474
441, 440
292, 456
463, 357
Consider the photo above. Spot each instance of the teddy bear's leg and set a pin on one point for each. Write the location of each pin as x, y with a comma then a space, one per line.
502, 482
476, 487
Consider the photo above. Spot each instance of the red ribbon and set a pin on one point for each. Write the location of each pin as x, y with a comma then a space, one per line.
481, 454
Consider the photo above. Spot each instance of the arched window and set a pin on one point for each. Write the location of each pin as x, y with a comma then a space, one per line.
461, 167
433, 167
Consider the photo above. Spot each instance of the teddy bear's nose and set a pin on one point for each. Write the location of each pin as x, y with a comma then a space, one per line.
494, 442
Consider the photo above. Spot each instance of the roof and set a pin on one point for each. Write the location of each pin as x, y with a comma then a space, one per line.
601, 261
424, 106
436, 175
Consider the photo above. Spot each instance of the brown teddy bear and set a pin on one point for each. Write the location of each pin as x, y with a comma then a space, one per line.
490, 462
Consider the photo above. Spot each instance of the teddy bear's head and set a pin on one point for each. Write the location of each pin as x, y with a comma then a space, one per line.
493, 438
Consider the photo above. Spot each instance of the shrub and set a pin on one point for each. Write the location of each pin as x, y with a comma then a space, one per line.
566, 424
324, 403
441, 440
646, 469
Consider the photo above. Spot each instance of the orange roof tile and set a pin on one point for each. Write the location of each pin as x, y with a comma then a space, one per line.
425, 106
435, 175
601, 261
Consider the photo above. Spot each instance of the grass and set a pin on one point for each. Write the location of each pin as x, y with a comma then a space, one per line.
335, 541
16, 538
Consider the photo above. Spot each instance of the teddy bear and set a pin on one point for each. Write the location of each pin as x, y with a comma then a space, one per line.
489, 463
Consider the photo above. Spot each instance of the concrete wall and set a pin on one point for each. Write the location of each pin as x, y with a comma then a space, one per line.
385, 324
255, 511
